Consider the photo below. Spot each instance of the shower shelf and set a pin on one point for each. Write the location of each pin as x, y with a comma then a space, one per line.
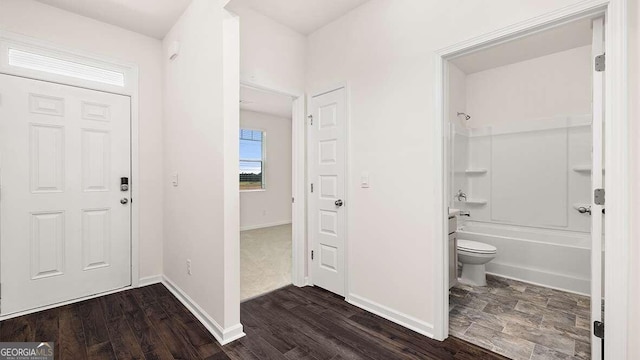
475, 171
476, 202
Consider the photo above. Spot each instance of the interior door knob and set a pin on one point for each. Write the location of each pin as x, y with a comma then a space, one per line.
339, 202
583, 210
124, 201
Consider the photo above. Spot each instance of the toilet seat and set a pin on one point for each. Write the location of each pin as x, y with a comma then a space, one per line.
476, 247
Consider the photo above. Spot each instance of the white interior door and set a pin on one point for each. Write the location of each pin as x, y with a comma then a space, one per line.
64, 232
597, 181
327, 169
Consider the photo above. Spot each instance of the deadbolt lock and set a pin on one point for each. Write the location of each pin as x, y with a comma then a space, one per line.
124, 184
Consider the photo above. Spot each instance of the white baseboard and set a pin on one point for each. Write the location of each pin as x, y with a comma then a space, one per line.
224, 336
397, 317
261, 226
149, 280
541, 278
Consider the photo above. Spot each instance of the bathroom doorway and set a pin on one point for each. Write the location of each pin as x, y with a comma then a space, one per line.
525, 232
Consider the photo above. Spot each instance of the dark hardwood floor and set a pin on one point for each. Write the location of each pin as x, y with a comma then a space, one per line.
291, 323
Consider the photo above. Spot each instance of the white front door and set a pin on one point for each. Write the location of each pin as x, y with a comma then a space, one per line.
327, 169
64, 232
597, 182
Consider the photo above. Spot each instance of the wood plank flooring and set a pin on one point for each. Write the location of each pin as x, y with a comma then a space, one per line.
290, 323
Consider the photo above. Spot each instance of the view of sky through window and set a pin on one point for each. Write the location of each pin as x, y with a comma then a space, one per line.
251, 159
250, 151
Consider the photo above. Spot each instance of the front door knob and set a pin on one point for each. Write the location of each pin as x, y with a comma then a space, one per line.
339, 203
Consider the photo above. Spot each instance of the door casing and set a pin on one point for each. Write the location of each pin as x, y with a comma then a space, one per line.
617, 148
298, 181
130, 72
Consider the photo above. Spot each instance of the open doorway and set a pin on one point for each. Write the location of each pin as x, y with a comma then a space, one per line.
265, 182
524, 144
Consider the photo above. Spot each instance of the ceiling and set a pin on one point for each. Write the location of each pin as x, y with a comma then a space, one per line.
303, 16
565, 37
149, 17
265, 102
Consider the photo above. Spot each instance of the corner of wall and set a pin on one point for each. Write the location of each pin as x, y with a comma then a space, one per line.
199, 247
231, 120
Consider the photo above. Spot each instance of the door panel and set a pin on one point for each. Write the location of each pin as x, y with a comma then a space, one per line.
63, 232
327, 169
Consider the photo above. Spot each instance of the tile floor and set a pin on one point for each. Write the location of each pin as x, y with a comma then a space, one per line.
521, 321
265, 260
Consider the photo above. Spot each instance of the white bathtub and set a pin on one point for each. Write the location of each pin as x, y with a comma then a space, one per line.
552, 258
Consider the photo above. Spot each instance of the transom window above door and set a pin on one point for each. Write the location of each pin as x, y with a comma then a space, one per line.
252, 159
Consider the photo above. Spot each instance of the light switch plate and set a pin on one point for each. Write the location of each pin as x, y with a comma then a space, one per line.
364, 180
174, 179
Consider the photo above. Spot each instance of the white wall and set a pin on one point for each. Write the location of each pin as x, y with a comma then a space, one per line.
538, 111
197, 211
385, 50
457, 96
271, 206
272, 55
231, 99
69, 30
634, 112
553, 85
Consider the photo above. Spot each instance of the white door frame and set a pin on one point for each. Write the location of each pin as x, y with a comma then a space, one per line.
298, 165
617, 222
130, 89
347, 179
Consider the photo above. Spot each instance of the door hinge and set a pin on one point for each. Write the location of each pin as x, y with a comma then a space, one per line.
311, 187
310, 119
293, 200
600, 62
598, 329
311, 254
598, 196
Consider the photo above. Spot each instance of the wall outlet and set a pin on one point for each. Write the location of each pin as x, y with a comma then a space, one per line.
188, 266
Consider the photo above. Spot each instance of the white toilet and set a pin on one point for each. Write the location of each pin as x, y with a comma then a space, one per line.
474, 255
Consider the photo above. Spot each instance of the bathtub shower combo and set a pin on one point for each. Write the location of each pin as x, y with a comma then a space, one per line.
525, 190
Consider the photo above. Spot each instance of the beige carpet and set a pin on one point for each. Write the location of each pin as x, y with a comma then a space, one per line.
265, 260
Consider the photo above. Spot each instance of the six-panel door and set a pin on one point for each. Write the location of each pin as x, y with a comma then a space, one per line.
327, 164
64, 233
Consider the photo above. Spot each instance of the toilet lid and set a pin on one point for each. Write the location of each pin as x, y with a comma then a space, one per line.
476, 247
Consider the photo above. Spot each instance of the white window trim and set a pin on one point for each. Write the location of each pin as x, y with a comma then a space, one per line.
130, 71
264, 159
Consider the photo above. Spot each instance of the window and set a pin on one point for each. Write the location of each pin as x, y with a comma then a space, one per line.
251, 159
39, 62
